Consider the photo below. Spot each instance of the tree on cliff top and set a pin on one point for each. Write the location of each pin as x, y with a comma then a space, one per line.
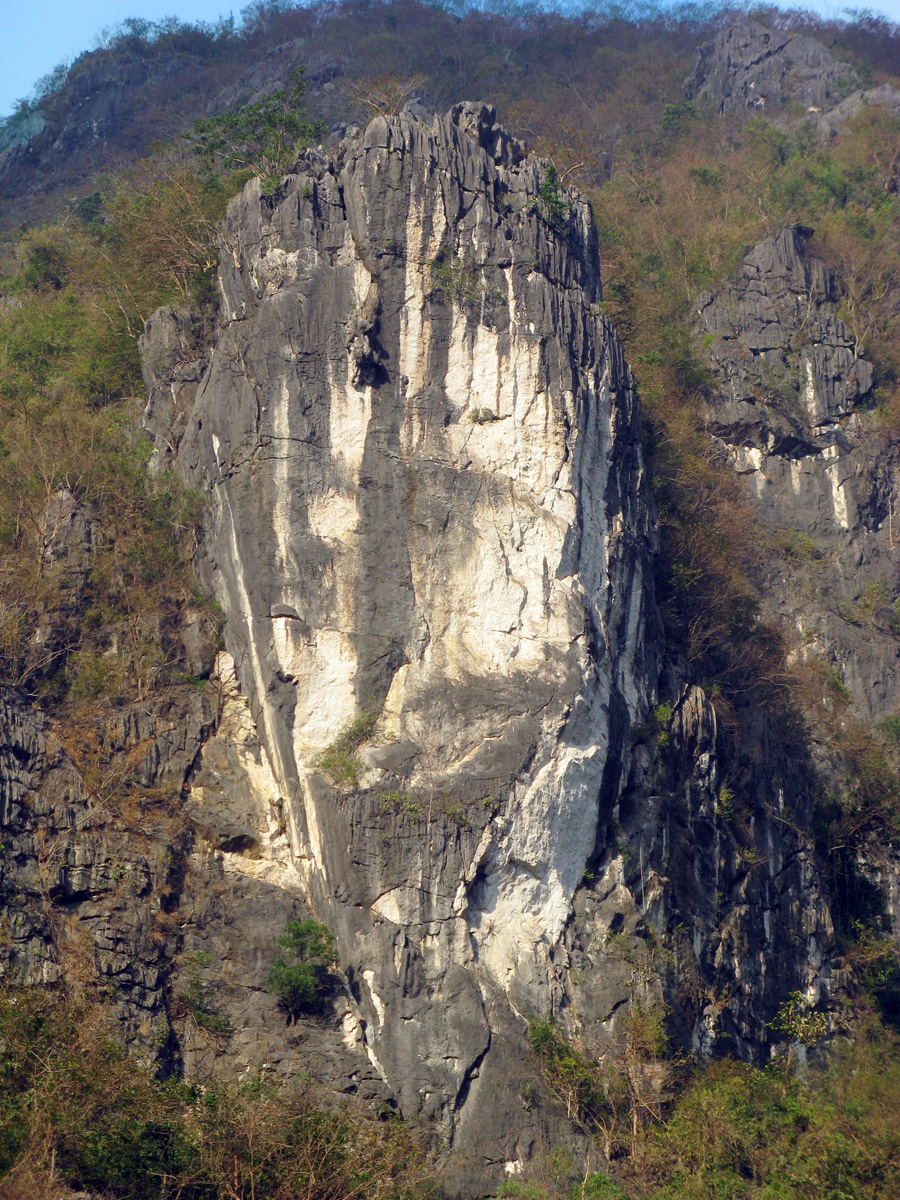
262, 138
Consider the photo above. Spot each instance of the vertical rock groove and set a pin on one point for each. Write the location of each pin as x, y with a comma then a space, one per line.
423, 447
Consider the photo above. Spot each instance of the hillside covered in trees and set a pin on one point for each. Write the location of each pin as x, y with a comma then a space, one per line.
449, 608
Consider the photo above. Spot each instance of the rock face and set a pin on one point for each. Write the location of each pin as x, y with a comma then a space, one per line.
115, 104
751, 69
95, 119
885, 96
422, 443
707, 893
790, 412
85, 893
748, 66
431, 536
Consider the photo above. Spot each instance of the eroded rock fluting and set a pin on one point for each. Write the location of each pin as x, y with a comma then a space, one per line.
428, 503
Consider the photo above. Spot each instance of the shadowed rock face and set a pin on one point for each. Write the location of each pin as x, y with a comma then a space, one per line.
422, 444
790, 410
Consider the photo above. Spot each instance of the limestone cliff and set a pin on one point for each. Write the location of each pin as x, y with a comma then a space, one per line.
791, 408
428, 506
749, 66
749, 69
432, 726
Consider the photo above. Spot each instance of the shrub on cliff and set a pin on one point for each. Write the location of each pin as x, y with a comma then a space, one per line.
553, 205
262, 138
302, 986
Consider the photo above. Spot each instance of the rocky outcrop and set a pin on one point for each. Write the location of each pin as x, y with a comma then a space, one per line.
20, 128
134, 863
96, 118
792, 411
115, 104
717, 853
431, 536
748, 66
429, 520
776, 328
88, 868
885, 96
751, 69
789, 408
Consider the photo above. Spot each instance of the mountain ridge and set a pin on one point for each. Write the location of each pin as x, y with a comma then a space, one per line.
570, 777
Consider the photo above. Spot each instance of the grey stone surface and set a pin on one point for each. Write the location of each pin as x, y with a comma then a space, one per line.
84, 878
791, 412
885, 96
353, 413
422, 445
750, 67
79, 130
789, 409
20, 129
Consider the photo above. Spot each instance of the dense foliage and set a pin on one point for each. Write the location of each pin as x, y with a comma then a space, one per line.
76, 1110
262, 137
75, 296
739, 1133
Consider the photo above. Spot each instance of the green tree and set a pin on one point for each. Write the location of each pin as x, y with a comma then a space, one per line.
554, 206
302, 985
800, 1022
262, 138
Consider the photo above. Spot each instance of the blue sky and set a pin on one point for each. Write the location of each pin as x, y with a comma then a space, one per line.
38, 34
